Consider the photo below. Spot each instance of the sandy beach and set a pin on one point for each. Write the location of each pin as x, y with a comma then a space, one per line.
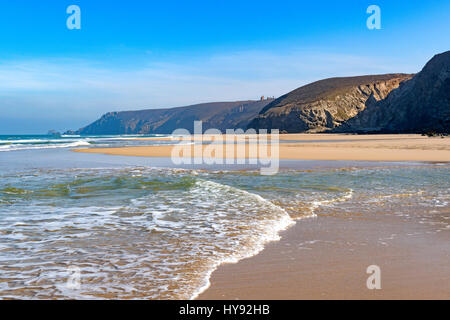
322, 147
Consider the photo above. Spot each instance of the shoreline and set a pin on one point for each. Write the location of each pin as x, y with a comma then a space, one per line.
326, 257
319, 147
243, 256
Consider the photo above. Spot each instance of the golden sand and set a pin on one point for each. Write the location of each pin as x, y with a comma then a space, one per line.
319, 147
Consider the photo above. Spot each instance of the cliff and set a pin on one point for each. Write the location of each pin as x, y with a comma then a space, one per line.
326, 104
220, 115
420, 105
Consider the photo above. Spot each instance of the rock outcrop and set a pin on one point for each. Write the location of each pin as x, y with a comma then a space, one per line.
326, 104
419, 105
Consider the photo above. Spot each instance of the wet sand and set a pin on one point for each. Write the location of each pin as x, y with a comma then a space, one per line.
326, 258
320, 147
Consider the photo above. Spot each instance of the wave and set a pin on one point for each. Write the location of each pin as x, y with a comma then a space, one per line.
16, 143
18, 147
182, 222
270, 229
316, 204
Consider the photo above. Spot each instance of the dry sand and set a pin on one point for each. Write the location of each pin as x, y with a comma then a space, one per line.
323, 147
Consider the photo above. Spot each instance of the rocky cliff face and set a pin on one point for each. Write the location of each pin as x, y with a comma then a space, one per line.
220, 115
326, 104
419, 105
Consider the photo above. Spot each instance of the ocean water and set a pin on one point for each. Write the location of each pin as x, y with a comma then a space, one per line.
38, 142
139, 228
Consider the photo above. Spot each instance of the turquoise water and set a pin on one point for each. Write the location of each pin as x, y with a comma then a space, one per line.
139, 228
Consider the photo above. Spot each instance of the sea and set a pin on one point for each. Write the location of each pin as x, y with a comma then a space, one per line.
92, 226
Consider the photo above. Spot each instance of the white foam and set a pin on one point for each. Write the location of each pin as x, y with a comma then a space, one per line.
272, 229
316, 204
18, 147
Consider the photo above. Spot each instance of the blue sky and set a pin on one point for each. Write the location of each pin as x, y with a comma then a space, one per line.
149, 54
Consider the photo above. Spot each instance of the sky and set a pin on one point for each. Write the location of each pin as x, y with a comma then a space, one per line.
135, 54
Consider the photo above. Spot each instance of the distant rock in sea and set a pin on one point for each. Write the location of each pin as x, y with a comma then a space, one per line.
53, 133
